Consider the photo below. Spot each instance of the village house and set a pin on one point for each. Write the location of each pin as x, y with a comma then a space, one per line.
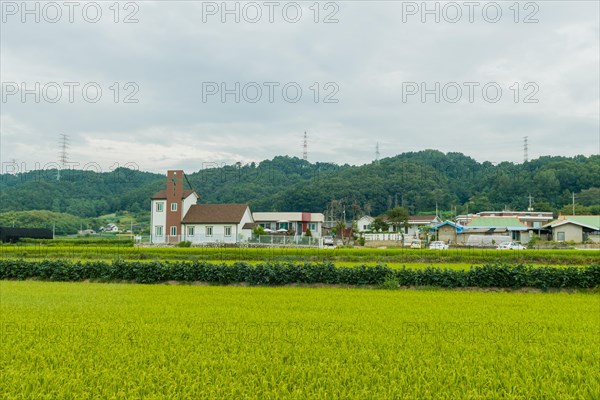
296, 222
217, 223
575, 228
484, 231
415, 224
364, 224
447, 231
176, 217
499, 229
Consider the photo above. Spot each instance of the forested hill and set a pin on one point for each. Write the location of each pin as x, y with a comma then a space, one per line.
416, 180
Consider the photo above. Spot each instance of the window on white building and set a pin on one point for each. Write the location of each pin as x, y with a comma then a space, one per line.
313, 227
173, 231
560, 236
173, 206
228, 231
190, 231
209, 230
158, 230
159, 206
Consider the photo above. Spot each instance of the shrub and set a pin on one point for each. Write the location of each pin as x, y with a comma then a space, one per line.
282, 273
391, 282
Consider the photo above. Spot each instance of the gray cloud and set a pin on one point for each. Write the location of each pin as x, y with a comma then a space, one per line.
370, 54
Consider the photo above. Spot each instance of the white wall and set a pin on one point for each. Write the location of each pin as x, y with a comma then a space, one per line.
218, 231
363, 224
158, 219
188, 202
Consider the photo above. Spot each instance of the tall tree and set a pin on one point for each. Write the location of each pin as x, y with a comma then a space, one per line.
398, 217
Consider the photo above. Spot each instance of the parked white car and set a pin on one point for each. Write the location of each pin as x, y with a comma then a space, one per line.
328, 241
510, 246
438, 245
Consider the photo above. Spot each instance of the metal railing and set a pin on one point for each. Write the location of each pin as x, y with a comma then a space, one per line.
283, 240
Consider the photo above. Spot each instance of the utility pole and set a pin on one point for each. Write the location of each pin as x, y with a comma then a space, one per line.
305, 147
573, 203
530, 208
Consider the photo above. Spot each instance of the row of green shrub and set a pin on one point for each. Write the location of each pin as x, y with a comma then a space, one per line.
96, 252
497, 275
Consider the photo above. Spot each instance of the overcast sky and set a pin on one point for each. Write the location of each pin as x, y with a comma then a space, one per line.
361, 76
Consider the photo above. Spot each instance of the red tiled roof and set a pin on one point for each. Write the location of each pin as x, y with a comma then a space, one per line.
163, 194
215, 214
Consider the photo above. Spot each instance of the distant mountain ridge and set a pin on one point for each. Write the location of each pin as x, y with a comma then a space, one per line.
418, 180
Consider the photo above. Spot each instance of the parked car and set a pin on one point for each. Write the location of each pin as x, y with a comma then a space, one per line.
415, 244
510, 246
438, 245
328, 241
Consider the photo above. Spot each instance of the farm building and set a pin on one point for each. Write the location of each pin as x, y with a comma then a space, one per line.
576, 228
447, 231
510, 228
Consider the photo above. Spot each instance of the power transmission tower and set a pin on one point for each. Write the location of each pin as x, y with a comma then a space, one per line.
305, 147
63, 156
525, 148
377, 153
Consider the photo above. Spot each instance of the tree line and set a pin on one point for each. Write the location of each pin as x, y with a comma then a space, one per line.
420, 182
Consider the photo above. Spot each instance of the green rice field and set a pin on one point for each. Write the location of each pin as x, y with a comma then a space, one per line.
348, 255
117, 341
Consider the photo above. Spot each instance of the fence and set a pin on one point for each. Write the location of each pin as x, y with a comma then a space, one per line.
283, 240
396, 237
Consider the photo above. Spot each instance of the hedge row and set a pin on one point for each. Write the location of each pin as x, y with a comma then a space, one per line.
497, 275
